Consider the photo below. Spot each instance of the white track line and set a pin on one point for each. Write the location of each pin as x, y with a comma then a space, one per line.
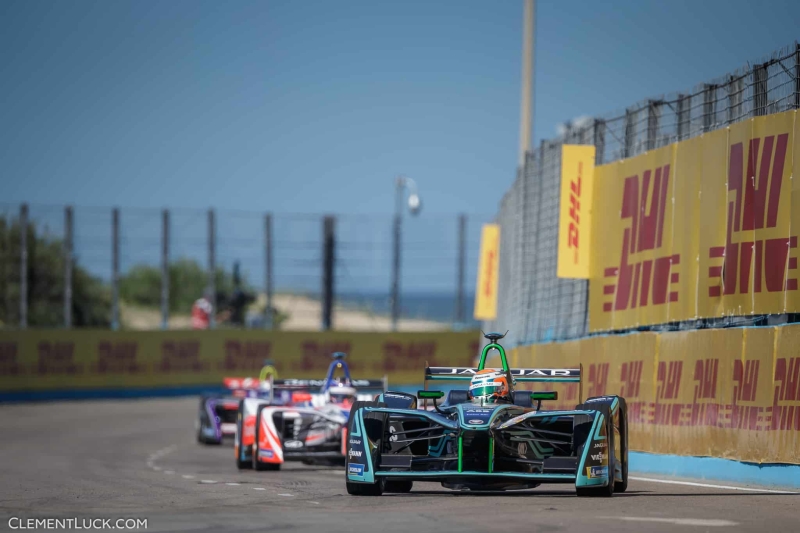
207, 481
259, 488
233, 484
187, 476
707, 522
708, 486
287, 495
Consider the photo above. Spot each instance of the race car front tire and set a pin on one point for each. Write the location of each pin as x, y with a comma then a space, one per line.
366, 489
400, 486
608, 490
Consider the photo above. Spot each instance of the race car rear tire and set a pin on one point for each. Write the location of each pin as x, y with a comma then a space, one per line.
243, 465
622, 486
365, 489
261, 467
401, 486
608, 490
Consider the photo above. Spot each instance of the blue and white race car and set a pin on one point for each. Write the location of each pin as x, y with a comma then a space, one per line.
300, 420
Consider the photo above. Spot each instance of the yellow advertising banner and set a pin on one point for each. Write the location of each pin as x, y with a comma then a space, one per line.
70, 359
701, 228
575, 216
730, 393
488, 271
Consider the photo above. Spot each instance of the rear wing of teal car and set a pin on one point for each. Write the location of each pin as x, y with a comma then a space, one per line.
519, 375
530, 375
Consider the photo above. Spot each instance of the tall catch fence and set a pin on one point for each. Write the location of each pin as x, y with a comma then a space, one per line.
537, 306
143, 268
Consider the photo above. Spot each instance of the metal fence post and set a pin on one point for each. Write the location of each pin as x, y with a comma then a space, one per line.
115, 269
269, 315
68, 248
760, 90
797, 76
23, 266
461, 268
653, 119
328, 264
396, 256
599, 140
709, 106
630, 134
734, 99
683, 112
212, 269
165, 269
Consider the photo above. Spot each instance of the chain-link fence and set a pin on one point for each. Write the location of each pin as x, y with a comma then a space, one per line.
537, 306
135, 268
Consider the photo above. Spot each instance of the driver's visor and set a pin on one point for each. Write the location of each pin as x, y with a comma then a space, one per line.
484, 390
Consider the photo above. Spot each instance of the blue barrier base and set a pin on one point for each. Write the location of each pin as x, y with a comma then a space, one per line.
715, 469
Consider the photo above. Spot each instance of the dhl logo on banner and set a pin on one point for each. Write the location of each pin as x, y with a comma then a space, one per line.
700, 228
62, 360
732, 393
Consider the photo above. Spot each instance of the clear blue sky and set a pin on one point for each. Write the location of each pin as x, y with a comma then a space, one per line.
314, 106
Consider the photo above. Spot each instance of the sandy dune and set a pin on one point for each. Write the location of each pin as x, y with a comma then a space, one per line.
305, 314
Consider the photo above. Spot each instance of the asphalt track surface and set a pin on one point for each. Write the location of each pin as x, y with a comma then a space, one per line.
120, 459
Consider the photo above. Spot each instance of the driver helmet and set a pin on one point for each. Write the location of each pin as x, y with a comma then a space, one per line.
489, 386
342, 394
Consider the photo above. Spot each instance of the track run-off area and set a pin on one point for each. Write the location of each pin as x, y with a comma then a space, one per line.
139, 459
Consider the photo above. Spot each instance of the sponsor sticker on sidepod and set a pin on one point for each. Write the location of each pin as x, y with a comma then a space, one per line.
596, 471
355, 468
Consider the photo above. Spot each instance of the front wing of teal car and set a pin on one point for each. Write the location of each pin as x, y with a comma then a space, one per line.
491, 447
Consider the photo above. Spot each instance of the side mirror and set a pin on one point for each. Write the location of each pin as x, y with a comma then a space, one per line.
430, 394
546, 395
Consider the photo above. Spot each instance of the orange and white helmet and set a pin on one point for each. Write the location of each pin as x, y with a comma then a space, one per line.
489, 386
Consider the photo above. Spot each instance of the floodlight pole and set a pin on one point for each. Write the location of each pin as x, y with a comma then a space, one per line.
401, 183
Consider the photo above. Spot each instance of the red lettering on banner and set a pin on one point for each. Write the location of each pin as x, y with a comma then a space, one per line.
117, 358
787, 389
705, 413
745, 385
247, 356
753, 209
575, 211
631, 377
647, 281
316, 356
487, 286
570, 392
57, 358
598, 379
668, 379
407, 356
181, 356
9, 366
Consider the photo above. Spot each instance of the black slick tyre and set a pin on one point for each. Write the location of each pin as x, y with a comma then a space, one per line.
366, 489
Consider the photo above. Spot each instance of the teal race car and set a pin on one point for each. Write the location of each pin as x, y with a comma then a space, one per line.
489, 436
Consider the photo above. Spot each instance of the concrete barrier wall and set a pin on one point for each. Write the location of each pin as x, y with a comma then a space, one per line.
68, 363
726, 393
